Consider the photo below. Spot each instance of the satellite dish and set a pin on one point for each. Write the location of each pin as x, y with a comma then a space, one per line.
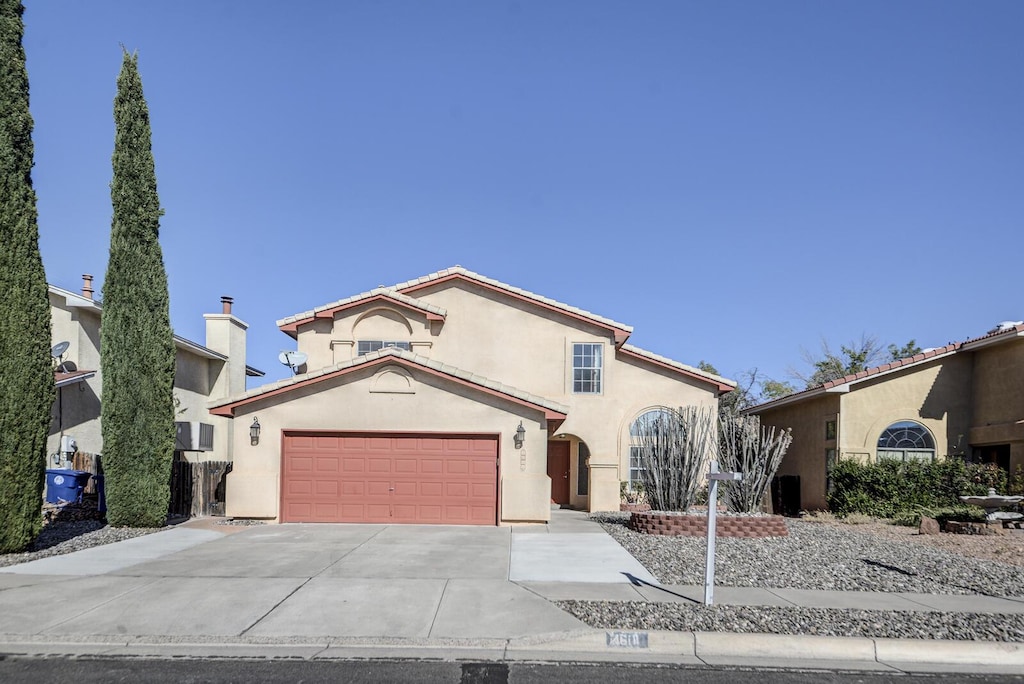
292, 359
67, 367
59, 349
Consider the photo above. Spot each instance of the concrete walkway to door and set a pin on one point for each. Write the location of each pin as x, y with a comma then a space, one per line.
571, 548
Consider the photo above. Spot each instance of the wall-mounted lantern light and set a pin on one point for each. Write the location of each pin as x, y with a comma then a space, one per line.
254, 432
520, 436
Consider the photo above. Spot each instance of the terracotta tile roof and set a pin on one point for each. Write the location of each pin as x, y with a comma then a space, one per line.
724, 384
448, 273
997, 334
63, 379
227, 405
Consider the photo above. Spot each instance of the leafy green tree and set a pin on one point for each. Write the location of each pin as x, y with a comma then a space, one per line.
26, 375
137, 342
853, 358
905, 352
752, 388
775, 389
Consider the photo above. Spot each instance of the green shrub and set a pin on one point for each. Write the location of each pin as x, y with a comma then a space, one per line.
892, 489
907, 519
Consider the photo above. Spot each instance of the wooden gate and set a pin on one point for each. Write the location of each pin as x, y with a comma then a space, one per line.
197, 489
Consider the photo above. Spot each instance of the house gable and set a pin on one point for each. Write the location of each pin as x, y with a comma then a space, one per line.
393, 361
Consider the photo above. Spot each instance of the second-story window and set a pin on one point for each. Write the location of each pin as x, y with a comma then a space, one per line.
367, 346
587, 364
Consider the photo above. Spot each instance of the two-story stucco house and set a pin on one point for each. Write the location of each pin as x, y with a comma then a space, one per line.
452, 398
202, 373
964, 399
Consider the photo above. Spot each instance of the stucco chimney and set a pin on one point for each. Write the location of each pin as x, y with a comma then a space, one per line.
225, 334
87, 285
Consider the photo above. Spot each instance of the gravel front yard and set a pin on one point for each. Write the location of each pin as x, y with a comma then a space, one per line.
816, 555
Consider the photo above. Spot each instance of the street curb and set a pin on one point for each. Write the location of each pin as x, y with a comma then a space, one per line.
685, 648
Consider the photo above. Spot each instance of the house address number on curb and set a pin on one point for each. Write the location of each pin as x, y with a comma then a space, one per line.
626, 639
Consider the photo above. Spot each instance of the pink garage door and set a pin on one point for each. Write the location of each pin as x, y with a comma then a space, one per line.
389, 478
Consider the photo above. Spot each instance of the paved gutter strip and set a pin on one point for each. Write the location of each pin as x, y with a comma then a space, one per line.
695, 648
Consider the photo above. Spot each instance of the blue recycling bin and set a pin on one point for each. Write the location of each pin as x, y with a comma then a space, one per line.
65, 486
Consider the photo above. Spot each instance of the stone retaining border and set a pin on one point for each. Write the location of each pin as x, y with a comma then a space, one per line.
674, 525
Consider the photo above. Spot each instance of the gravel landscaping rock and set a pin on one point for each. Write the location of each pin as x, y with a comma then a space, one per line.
816, 555
819, 556
74, 536
804, 621
72, 528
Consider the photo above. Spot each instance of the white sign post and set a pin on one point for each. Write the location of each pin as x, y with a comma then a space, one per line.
709, 562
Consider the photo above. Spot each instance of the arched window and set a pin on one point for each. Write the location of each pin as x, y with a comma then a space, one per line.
906, 441
636, 466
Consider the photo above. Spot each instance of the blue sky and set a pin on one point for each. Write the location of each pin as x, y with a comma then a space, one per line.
736, 180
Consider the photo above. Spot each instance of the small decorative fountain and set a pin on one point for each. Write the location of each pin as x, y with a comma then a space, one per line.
994, 503
995, 516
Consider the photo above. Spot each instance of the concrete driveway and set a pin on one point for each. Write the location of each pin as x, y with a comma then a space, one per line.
282, 581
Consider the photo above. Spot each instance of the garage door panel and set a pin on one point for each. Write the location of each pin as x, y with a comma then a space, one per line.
353, 465
326, 464
431, 489
389, 478
405, 489
301, 463
379, 465
457, 489
326, 443
457, 466
405, 464
327, 488
430, 466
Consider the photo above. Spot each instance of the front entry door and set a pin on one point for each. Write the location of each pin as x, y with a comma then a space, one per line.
558, 471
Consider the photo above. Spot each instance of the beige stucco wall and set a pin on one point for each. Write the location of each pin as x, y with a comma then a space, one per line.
378, 399
806, 455
998, 397
197, 379
524, 346
933, 394
76, 412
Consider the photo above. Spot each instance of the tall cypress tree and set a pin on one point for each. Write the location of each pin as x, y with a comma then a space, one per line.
137, 343
26, 375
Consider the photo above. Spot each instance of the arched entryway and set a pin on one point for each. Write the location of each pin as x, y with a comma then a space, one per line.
569, 470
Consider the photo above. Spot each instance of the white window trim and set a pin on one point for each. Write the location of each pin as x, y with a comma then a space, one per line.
600, 369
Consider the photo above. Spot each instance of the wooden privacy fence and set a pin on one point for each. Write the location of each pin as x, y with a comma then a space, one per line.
197, 489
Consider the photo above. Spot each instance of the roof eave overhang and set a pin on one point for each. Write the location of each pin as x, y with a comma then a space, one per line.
74, 380
228, 409
620, 335
989, 341
198, 349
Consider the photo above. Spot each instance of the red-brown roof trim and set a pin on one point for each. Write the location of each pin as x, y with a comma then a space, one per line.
620, 335
556, 417
292, 328
720, 387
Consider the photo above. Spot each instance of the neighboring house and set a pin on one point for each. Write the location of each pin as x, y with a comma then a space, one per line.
964, 399
202, 373
452, 398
